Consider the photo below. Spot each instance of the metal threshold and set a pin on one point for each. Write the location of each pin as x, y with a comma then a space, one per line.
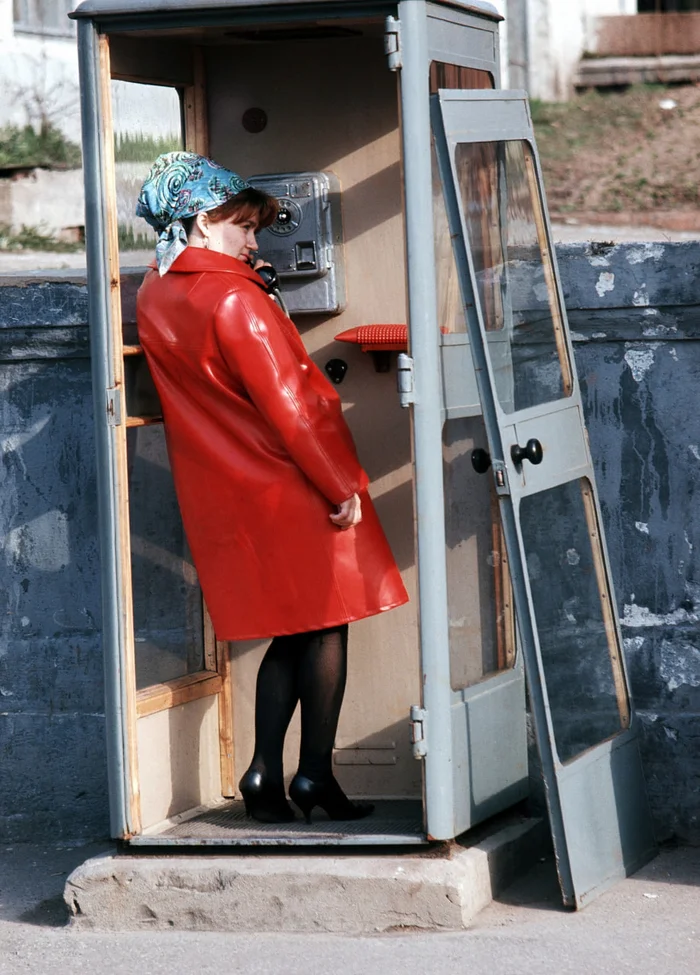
394, 822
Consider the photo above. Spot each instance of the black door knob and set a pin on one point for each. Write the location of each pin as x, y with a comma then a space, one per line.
532, 451
481, 460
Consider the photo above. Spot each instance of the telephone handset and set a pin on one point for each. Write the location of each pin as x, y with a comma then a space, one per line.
272, 285
270, 277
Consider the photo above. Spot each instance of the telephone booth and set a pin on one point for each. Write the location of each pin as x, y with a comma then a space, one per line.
415, 254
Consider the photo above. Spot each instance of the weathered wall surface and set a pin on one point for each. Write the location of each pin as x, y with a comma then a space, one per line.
52, 764
634, 312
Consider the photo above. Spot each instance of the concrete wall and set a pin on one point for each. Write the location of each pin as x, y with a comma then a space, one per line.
547, 39
634, 314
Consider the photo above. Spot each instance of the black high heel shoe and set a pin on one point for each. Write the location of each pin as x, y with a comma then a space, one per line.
306, 794
264, 801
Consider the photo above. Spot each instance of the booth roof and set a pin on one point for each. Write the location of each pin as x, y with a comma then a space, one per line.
96, 9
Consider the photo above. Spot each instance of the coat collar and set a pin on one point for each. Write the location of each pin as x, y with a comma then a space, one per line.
196, 259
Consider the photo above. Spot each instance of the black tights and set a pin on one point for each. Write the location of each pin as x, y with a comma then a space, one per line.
310, 668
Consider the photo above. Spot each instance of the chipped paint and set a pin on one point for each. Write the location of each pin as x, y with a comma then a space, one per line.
572, 556
599, 261
640, 299
42, 543
695, 450
645, 252
541, 291
640, 361
642, 526
599, 335
679, 664
605, 283
642, 617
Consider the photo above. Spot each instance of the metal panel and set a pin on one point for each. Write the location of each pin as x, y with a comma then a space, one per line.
455, 37
103, 378
459, 788
427, 419
595, 790
489, 747
100, 8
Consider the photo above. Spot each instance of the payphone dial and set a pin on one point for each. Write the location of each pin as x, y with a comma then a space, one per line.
305, 243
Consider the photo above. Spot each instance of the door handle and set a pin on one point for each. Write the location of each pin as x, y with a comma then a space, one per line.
481, 460
532, 451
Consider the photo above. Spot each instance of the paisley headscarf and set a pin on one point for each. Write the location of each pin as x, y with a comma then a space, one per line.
179, 185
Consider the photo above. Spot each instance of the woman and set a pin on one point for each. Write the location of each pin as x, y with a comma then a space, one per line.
284, 537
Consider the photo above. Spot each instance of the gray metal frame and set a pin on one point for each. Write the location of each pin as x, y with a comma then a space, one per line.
96, 9
422, 27
599, 836
100, 322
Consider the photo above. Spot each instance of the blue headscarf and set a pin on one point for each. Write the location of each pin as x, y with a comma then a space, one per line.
179, 185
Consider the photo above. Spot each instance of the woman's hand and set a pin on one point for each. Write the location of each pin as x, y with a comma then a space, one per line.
349, 513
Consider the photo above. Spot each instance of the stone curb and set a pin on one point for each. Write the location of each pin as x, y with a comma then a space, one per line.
441, 889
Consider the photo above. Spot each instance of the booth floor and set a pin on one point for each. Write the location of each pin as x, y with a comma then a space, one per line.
395, 822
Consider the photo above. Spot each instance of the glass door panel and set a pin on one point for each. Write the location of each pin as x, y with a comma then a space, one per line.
588, 700
168, 619
481, 620
543, 477
513, 273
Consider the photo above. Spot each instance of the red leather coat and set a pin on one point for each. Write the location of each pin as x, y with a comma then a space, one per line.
260, 455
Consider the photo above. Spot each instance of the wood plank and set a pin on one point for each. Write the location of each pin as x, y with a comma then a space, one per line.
173, 693
226, 741
129, 659
195, 107
142, 421
611, 631
132, 350
543, 241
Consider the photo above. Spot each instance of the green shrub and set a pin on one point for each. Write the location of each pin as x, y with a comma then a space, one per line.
23, 146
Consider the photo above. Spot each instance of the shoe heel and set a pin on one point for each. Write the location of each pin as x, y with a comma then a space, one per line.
301, 798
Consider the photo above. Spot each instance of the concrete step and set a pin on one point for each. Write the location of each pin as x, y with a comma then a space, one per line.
442, 887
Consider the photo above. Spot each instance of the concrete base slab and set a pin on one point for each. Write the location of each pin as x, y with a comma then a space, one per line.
442, 888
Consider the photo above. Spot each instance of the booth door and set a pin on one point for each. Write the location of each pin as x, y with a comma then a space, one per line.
541, 472
175, 704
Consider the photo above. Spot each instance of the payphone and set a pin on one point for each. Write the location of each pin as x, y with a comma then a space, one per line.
305, 243
443, 225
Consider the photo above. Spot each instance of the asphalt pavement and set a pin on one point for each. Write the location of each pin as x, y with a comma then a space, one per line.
649, 923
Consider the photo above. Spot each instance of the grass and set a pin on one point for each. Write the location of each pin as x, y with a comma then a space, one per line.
34, 239
23, 146
620, 151
129, 241
143, 148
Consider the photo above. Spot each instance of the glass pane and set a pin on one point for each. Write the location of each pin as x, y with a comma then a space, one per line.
450, 310
514, 275
577, 634
147, 120
168, 623
482, 633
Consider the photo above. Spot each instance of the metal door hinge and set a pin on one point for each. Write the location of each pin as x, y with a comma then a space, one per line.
500, 478
114, 406
419, 740
405, 380
392, 43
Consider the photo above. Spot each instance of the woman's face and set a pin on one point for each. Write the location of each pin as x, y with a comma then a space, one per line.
234, 237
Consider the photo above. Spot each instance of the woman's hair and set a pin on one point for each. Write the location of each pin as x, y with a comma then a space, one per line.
247, 204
